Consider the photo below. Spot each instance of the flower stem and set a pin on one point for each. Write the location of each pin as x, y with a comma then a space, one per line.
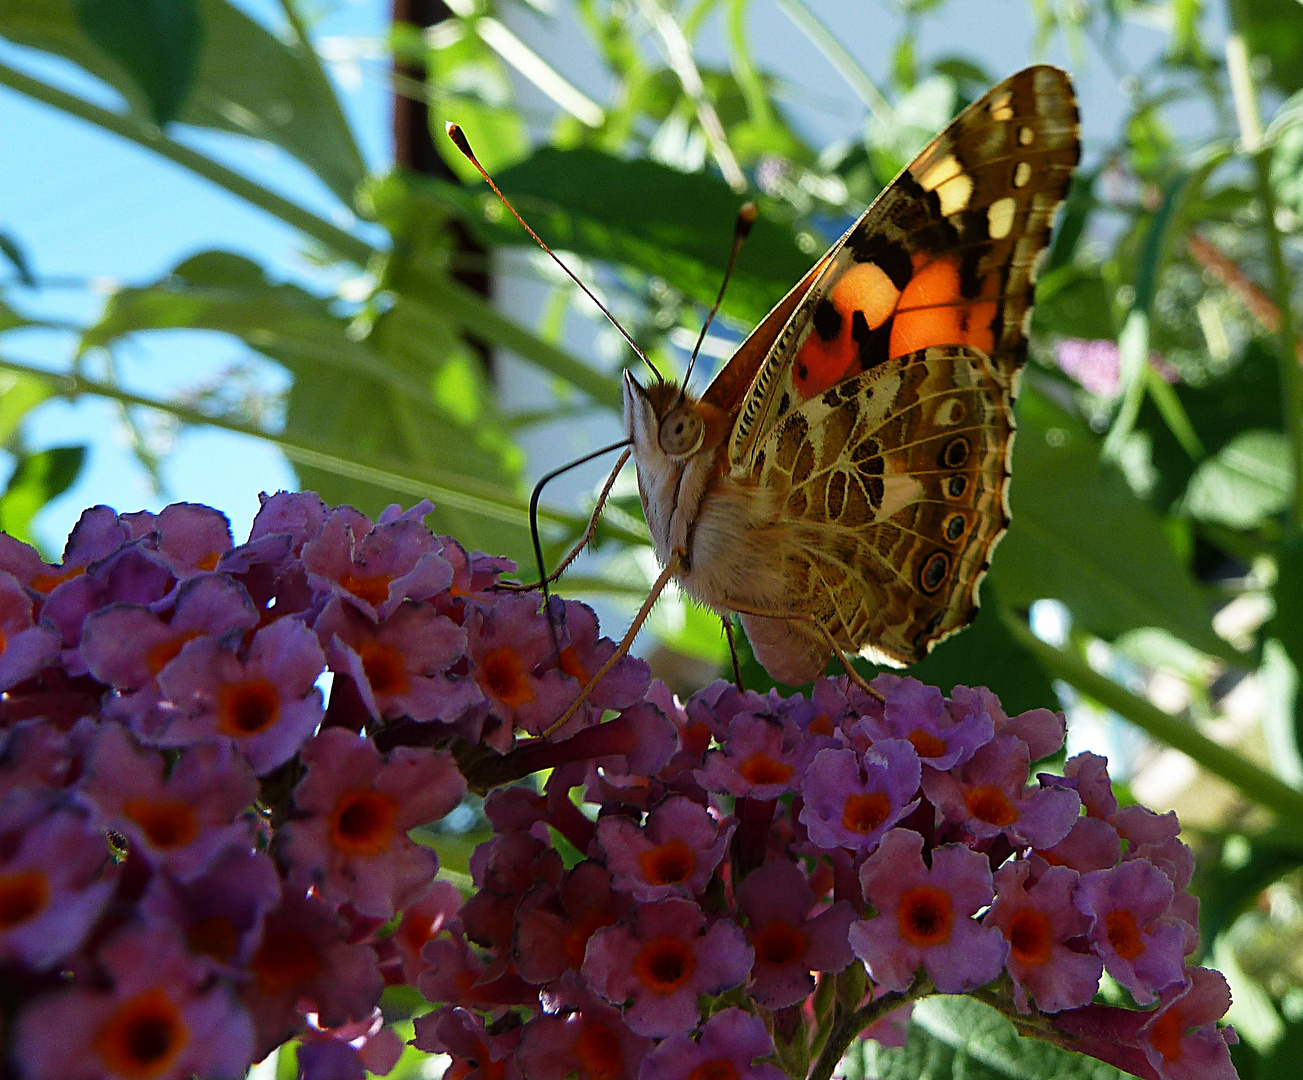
852, 1023
1254, 782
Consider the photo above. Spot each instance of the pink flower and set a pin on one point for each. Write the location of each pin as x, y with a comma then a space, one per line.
789, 944
554, 924
851, 799
579, 1038
351, 844
943, 736
1037, 919
156, 1016
401, 666
54, 881
924, 916
730, 1042
181, 818
476, 1054
1181, 1038
674, 855
658, 965
267, 703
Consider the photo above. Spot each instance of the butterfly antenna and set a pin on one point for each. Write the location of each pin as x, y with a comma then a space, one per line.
746, 217
459, 140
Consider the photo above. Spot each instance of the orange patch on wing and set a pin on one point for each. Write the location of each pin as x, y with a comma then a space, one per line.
932, 310
864, 288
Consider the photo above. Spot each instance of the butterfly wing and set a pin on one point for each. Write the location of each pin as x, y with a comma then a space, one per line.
914, 322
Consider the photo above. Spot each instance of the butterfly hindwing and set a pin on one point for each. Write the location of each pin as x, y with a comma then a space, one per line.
892, 488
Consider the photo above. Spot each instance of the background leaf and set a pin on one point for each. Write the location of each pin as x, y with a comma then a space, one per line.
37, 478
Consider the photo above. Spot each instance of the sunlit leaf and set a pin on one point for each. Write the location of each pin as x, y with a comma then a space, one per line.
19, 394
37, 478
17, 258
249, 82
1248, 481
156, 41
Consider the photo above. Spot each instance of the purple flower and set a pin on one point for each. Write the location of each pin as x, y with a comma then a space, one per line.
191, 538
1142, 946
851, 800
157, 1016
267, 704
730, 1042
622, 687
220, 912
989, 796
554, 924
919, 714
127, 645
350, 1051
1038, 919
351, 843
658, 965
762, 757
296, 514
400, 667
580, 1037
924, 916
182, 817
53, 881
375, 568
789, 944
25, 646
1091, 844
1181, 1038
674, 855
97, 534
476, 1054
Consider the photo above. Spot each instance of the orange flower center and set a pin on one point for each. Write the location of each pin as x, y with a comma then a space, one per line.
779, 943
209, 561
373, 588
597, 1049
865, 812
664, 965
143, 1037
1167, 1032
166, 823
166, 651
925, 916
284, 961
214, 936
363, 822
719, 1069
1123, 934
505, 677
927, 744
575, 942
762, 769
991, 805
384, 668
416, 930
45, 582
247, 708
571, 666
24, 894
669, 864
1029, 937
821, 725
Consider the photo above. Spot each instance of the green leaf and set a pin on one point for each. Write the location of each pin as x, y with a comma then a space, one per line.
248, 82
1248, 481
36, 479
19, 394
962, 1038
986, 654
156, 41
1274, 29
1079, 535
13, 252
673, 225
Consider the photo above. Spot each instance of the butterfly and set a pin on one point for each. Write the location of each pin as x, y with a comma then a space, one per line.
843, 481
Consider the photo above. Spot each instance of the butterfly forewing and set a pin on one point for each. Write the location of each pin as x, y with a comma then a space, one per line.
881, 418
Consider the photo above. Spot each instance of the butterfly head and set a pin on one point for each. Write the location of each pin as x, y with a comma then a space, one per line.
667, 425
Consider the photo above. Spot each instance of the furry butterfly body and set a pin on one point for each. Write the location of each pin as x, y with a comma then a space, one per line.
844, 479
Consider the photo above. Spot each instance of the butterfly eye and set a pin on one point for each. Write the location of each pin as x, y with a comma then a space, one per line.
681, 432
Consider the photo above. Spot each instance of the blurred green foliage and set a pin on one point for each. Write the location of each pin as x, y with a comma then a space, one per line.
1156, 496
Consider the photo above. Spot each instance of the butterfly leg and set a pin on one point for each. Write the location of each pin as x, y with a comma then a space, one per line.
674, 566
732, 651
851, 673
583, 540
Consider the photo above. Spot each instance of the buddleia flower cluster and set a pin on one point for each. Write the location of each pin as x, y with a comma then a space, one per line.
213, 759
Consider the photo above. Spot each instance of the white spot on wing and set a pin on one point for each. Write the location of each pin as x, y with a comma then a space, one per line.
999, 217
